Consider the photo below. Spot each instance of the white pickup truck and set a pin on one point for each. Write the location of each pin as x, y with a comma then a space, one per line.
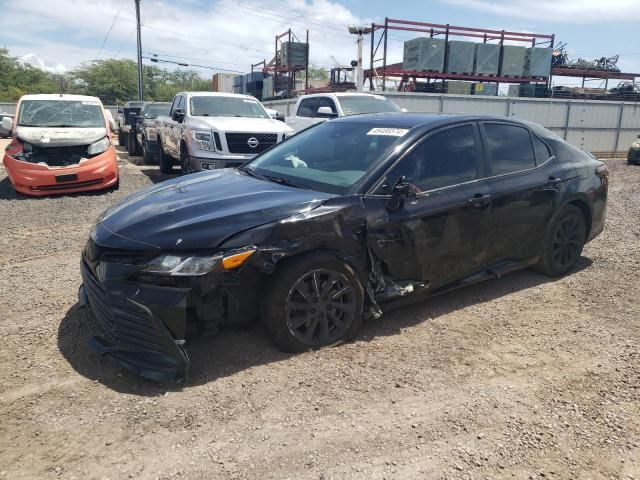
210, 130
319, 107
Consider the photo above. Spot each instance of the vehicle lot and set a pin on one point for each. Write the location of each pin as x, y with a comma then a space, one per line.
519, 377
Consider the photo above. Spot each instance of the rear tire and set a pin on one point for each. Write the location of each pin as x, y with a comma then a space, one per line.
563, 242
165, 161
312, 302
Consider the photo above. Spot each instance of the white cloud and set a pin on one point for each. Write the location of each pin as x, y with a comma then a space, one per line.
564, 11
33, 60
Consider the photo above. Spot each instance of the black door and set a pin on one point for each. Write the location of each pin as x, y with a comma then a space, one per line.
440, 235
525, 181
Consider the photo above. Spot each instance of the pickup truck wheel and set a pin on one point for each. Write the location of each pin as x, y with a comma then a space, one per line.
166, 162
312, 302
131, 145
146, 155
121, 139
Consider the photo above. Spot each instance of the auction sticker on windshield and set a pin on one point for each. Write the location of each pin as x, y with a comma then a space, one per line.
390, 132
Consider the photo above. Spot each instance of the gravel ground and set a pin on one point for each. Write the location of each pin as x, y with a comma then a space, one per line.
520, 377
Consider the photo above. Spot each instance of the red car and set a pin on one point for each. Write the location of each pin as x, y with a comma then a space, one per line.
60, 144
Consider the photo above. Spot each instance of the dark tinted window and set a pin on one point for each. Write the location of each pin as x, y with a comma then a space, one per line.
444, 159
181, 102
510, 148
308, 107
541, 149
327, 102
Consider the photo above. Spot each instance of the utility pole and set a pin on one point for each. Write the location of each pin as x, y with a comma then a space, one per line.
360, 32
140, 92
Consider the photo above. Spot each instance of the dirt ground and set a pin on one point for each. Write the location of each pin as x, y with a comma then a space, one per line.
520, 377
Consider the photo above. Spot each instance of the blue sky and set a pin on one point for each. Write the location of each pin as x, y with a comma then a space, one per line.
232, 34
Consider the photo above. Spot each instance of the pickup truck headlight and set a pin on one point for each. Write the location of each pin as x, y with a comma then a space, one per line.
197, 265
202, 140
635, 145
152, 133
101, 146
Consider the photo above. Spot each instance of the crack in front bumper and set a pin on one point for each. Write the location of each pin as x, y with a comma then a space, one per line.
136, 337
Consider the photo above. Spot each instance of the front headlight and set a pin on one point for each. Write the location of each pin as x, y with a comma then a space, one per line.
197, 265
151, 133
101, 146
202, 139
635, 145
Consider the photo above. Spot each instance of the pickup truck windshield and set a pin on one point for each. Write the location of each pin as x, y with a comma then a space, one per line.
154, 111
61, 113
226, 107
331, 157
358, 105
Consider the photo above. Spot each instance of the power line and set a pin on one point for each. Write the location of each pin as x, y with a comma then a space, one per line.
124, 43
181, 64
110, 28
212, 60
209, 40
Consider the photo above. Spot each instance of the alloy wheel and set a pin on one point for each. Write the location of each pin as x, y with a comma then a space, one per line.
320, 307
567, 241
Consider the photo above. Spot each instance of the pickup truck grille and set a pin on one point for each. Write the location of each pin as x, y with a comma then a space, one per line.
239, 142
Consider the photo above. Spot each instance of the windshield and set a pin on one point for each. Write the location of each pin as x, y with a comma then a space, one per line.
154, 111
357, 105
330, 157
61, 113
226, 107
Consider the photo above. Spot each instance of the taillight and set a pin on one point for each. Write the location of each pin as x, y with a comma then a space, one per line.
602, 171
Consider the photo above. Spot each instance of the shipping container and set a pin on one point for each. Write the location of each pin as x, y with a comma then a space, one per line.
487, 59
293, 54
460, 56
456, 87
537, 62
514, 91
224, 82
513, 61
485, 89
424, 54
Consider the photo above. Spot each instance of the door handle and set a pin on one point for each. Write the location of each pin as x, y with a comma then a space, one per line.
553, 182
480, 201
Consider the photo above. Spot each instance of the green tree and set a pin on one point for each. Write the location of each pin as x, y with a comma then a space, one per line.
17, 79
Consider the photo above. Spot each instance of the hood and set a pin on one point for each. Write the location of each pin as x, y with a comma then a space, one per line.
201, 210
240, 124
60, 137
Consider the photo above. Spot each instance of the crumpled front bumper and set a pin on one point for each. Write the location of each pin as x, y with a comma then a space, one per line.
144, 326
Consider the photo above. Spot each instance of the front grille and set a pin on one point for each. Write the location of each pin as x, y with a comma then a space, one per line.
64, 186
129, 329
239, 142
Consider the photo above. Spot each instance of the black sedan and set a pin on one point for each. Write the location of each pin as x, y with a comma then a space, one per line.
331, 226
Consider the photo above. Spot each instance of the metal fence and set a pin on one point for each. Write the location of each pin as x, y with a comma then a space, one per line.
601, 127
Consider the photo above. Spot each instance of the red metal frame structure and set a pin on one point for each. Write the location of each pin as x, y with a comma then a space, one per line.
274, 67
434, 29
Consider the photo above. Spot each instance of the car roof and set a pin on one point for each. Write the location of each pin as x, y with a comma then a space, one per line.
342, 94
218, 94
59, 96
411, 120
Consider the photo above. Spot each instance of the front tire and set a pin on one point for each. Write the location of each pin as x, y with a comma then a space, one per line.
313, 302
146, 155
131, 145
563, 242
121, 139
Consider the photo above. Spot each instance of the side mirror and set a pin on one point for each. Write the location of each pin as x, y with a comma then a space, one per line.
326, 112
178, 115
139, 119
7, 123
280, 116
402, 190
